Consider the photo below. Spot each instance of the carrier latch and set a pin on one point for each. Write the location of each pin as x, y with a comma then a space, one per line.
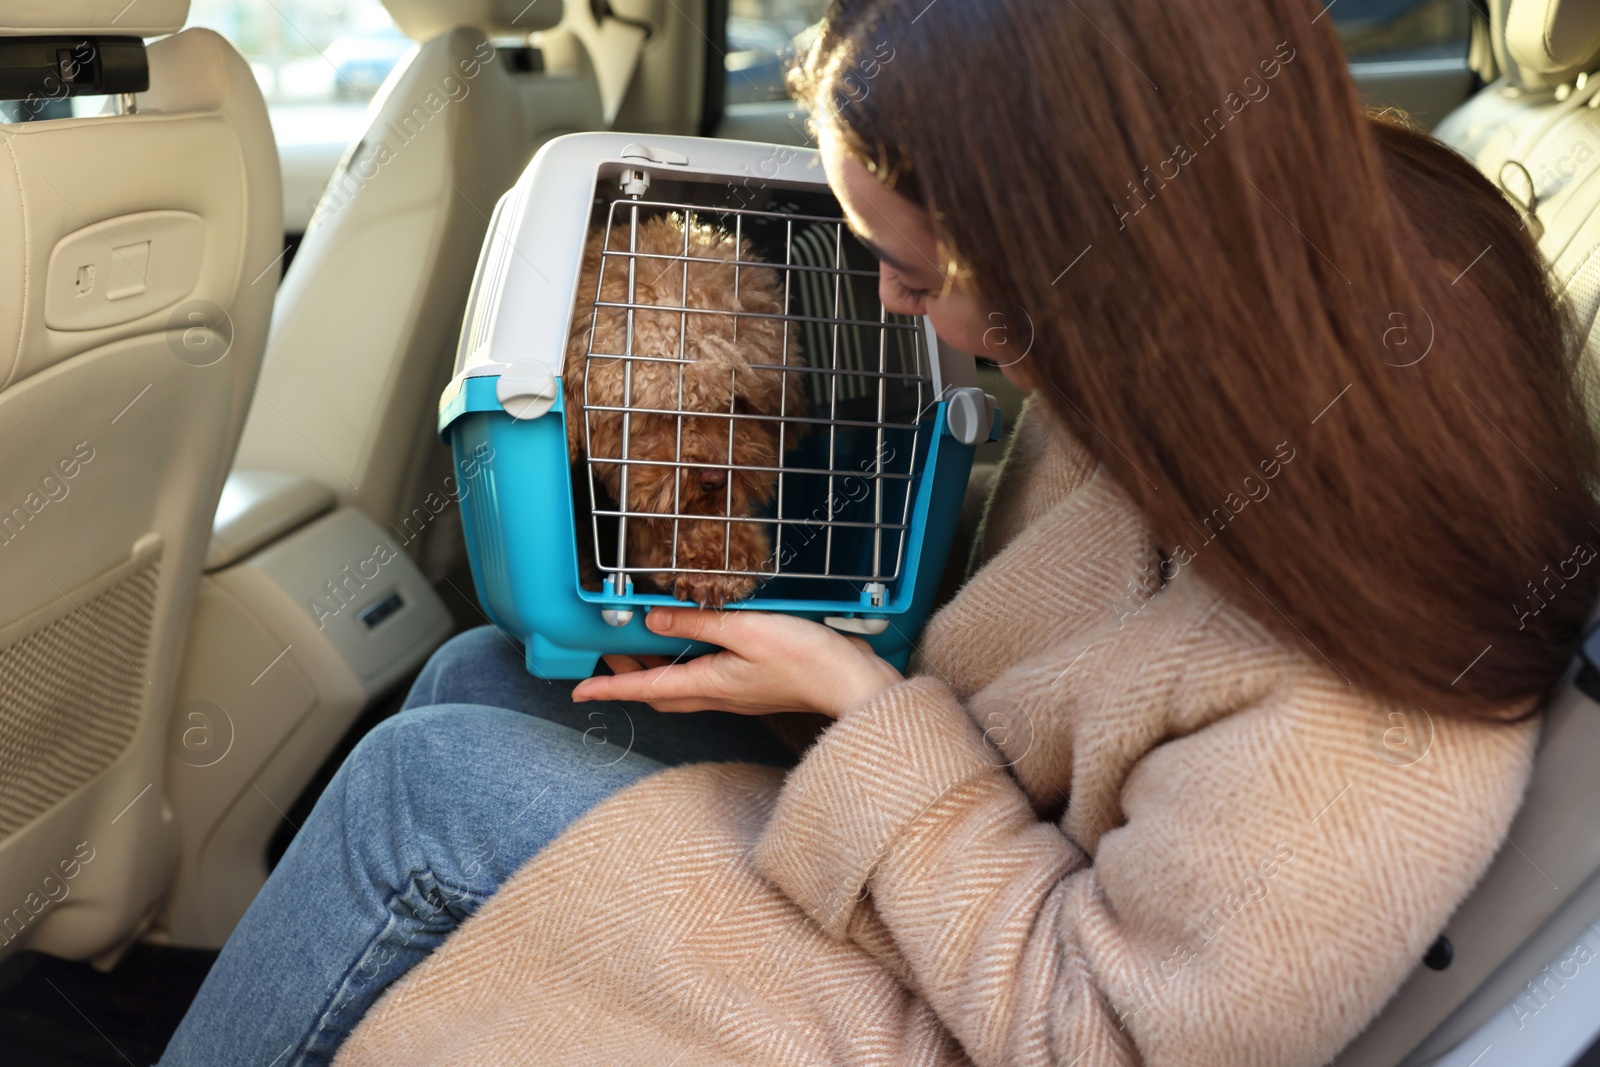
526, 389
872, 595
969, 414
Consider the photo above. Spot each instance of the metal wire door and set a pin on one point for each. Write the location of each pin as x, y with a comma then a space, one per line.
848, 431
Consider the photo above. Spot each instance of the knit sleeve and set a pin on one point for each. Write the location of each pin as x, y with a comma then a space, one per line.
886, 764
1270, 884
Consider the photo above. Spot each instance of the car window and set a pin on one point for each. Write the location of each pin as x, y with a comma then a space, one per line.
309, 52
1395, 30
763, 36
318, 62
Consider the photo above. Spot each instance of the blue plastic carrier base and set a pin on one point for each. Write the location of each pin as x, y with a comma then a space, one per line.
878, 420
517, 512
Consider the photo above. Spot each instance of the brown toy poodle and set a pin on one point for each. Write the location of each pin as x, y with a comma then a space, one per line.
701, 462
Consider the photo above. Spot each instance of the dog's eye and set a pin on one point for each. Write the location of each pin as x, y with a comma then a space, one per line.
742, 406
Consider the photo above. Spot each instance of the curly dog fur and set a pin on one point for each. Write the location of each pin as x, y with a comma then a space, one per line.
713, 377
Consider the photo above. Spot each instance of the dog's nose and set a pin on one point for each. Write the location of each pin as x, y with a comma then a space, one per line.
712, 478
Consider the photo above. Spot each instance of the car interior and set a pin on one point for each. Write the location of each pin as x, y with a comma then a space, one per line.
220, 411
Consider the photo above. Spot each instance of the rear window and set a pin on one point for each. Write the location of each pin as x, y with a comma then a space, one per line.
764, 36
1396, 30
309, 53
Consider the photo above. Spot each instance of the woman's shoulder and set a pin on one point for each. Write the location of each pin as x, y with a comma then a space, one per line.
1183, 682
1224, 660
1303, 736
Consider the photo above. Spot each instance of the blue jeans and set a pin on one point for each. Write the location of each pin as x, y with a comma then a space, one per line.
434, 809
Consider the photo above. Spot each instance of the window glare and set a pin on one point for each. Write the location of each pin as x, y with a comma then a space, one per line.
763, 36
309, 52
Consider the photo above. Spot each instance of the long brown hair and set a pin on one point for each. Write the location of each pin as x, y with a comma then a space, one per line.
1233, 276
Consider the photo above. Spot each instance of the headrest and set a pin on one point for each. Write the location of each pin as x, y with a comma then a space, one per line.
1553, 41
99, 18
422, 20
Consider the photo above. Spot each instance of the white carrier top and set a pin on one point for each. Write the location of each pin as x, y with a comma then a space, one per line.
520, 308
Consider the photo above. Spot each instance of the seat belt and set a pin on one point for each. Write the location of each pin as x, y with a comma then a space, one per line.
615, 42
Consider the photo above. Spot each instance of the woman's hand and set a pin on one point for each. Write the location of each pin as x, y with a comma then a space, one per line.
769, 663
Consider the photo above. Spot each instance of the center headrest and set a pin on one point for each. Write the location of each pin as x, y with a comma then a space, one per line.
1553, 41
98, 18
421, 20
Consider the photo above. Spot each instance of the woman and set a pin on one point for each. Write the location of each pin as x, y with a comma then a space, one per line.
1234, 711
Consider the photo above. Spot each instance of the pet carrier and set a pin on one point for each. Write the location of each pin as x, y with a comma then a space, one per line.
861, 428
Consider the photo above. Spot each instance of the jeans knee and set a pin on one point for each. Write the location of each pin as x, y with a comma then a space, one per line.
467, 646
393, 746
467, 655
402, 793
465, 793
390, 765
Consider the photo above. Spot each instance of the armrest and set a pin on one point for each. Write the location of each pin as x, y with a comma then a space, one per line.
258, 507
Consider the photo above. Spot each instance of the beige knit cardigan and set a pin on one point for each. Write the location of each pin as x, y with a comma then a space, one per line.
1091, 830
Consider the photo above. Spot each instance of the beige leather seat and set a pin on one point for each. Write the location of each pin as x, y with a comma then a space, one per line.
1536, 133
135, 289
368, 317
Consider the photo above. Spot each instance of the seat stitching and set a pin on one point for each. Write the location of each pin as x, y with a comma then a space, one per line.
22, 319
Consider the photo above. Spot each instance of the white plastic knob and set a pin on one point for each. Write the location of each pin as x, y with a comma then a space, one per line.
970, 414
527, 389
